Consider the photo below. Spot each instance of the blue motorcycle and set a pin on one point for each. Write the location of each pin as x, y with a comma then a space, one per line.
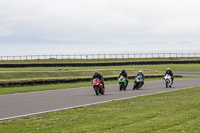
137, 84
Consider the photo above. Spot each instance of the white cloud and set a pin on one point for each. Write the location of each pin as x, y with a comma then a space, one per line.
102, 21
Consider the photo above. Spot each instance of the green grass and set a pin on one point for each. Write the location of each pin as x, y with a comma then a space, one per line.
174, 67
67, 74
95, 60
23, 89
176, 111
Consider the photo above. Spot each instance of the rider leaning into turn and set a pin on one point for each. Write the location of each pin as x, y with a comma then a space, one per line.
169, 71
140, 74
124, 74
100, 77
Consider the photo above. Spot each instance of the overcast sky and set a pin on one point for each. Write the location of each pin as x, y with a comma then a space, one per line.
102, 21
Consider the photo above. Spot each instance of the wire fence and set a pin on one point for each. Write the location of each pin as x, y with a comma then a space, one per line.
102, 56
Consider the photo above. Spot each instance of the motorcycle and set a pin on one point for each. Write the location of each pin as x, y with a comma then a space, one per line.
122, 83
98, 86
168, 81
137, 84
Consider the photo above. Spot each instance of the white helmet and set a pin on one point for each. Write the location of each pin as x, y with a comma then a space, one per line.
140, 71
168, 68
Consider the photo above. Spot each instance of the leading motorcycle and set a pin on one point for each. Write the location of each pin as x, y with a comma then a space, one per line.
98, 86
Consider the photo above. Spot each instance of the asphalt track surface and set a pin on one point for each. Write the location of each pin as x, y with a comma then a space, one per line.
25, 104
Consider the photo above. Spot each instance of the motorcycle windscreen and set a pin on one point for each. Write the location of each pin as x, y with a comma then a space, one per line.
95, 80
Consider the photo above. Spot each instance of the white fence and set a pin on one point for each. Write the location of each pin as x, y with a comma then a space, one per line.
102, 56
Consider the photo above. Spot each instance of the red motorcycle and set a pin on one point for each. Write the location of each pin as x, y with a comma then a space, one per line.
98, 86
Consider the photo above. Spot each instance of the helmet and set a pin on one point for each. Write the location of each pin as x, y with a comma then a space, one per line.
95, 73
140, 71
168, 68
123, 71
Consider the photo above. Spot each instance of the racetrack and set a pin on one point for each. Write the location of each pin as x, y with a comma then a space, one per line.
24, 104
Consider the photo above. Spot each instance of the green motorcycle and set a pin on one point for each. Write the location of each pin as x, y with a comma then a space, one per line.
122, 83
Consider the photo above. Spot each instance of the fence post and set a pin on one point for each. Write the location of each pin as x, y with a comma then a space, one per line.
134, 56
68, 57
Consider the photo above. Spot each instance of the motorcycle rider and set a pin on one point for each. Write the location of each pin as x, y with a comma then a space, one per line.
100, 77
169, 71
140, 74
124, 74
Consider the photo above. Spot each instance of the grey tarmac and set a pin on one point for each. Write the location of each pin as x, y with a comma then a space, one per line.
25, 104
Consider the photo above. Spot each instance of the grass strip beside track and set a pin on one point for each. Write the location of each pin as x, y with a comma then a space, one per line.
174, 67
175, 111
11, 90
24, 89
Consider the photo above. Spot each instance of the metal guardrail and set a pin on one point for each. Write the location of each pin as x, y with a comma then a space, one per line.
102, 56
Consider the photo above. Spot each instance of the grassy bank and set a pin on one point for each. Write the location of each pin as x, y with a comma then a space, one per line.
96, 60
176, 111
174, 67
67, 74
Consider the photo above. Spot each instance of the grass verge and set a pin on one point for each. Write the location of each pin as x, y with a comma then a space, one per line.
12, 90
174, 67
24, 89
68, 74
176, 111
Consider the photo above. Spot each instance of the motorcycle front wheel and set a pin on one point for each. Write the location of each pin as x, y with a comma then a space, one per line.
121, 86
167, 84
96, 89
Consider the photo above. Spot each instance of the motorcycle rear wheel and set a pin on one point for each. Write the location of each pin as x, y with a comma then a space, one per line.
102, 92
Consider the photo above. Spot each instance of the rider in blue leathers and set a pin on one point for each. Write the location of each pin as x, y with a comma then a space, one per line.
142, 76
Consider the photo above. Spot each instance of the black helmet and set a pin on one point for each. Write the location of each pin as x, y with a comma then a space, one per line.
123, 71
95, 73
